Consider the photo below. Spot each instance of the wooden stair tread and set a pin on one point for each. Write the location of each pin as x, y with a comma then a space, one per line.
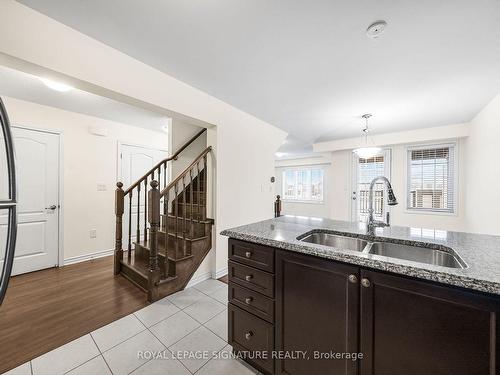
170, 234
141, 266
172, 217
161, 251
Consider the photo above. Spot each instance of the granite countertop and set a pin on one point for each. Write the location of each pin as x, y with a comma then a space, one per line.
480, 252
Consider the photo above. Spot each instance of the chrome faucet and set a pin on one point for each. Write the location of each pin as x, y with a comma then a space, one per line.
371, 223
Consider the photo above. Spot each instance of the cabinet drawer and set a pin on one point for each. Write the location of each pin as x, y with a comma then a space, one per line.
252, 302
252, 278
249, 333
258, 256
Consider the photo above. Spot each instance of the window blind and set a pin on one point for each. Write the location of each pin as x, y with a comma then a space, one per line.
304, 184
431, 178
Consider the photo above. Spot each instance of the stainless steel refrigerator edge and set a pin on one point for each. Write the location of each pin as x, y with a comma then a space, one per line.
9, 203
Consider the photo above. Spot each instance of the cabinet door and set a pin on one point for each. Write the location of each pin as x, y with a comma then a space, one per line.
412, 327
316, 311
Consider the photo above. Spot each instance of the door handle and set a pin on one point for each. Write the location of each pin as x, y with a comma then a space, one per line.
53, 207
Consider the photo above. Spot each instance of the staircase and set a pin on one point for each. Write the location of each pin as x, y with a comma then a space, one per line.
168, 233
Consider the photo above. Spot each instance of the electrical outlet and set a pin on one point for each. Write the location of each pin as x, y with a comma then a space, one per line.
93, 233
101, 187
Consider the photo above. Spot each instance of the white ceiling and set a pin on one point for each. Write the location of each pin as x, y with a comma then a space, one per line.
307, 66
27, 87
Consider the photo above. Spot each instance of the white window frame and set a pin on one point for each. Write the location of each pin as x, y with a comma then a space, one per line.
432, 211
301, 168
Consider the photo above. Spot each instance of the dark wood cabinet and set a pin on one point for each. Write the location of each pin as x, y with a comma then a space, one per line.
285, 303
316, 312
251, 278
414, 327
252, 337
251, 301
251, 304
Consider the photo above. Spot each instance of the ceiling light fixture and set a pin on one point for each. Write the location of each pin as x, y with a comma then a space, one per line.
58, 86
279, 154
376, 29
367, 151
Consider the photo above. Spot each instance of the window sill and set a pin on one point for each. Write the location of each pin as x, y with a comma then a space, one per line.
302, 202
429, 212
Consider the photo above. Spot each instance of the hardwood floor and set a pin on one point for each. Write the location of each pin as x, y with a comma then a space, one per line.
49, 308
224, 279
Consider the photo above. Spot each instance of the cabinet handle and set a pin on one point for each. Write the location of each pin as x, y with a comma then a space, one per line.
248, 300
353, 279
248, 254
248, 335
248, 277
365, 282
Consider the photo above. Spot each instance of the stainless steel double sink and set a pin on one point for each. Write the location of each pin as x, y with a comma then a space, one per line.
443, 256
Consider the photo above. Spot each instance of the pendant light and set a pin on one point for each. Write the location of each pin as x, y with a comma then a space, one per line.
367, 151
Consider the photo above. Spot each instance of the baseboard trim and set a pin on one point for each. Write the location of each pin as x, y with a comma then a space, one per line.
198, 279
220, 273
89, 256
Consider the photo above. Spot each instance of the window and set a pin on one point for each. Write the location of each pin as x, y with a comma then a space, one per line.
364, 171
431, 178
303, 184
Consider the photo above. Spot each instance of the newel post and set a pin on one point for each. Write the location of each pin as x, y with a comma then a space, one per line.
154, 225
119, 202
277, 207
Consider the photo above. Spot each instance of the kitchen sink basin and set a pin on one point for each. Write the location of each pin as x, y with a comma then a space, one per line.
444, 257
333, 240
417, 254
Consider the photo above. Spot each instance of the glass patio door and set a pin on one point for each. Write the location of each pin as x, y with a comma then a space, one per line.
363, 172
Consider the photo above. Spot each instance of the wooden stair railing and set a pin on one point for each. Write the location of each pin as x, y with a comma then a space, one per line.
179, 232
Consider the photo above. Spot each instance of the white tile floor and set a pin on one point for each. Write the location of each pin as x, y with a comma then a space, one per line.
192, 320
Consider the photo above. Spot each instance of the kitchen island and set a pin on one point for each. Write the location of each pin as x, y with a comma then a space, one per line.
352, 310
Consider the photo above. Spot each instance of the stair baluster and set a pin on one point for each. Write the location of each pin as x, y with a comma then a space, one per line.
119, 200
191, 234
204, 190
165, 201
154, 224
197, 192
165, 218
145, 210
138, 226
129, 252
175, 202
184, 209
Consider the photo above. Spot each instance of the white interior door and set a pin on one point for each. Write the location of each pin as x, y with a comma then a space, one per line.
363, 172
37, 167
135, 162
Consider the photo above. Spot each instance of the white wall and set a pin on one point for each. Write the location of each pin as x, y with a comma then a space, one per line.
482, 203
88, 160
341, 185
181, 133
245, 145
